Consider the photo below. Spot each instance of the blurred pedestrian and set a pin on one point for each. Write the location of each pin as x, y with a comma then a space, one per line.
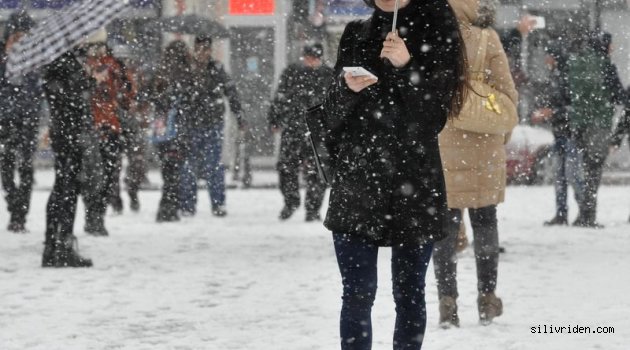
107, 101
171, 96
388, 186
551, 107
66, 83
302, 85
594, 88
20, 106
474, 166
210, 88
516, 43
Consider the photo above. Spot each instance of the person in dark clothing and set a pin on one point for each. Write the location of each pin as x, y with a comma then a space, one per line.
621, 130
66, 86
302, 85
211, 85
388, 186
594, 88
19, 124
551, 106
172, 91
106, 104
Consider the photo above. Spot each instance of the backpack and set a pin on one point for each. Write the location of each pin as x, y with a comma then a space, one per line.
164, 126
591, 98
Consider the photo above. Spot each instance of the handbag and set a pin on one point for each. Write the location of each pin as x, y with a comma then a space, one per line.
317, 135
486, 110
164, 125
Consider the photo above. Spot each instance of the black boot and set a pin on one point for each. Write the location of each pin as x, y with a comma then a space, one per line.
134, 202
95, 226
557, 220
16, 225
287, 211
313, 216
64, 254
587, 219
117, 204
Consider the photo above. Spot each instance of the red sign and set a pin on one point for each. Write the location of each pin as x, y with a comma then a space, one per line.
252, 7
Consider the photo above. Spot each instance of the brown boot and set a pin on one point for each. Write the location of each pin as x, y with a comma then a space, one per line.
448, 312
489, 307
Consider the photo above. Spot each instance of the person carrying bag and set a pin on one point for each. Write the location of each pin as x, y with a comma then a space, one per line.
473, 158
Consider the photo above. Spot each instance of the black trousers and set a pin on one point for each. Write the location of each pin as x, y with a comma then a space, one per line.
62, 203
109, 149
171, 162
486, 246
592, 147
296, 156
20, 141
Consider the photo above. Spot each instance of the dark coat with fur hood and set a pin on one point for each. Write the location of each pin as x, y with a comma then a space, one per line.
388, 184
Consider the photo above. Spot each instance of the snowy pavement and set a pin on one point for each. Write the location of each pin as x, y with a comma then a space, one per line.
251, 282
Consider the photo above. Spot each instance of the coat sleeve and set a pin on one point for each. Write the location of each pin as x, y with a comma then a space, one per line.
280, 107
340, 100
229, 90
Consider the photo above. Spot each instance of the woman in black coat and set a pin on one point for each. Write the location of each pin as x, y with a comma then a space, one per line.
388, 186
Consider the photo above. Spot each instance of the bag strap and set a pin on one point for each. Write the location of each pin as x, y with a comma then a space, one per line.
480, 59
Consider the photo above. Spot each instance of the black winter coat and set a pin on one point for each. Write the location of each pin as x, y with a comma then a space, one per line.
211, 86
67, 87
388, 184
299, 88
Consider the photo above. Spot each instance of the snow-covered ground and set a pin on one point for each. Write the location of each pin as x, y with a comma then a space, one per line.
249, 282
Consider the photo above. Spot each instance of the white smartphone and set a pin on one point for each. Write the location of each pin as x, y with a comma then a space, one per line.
540, 22
359, 72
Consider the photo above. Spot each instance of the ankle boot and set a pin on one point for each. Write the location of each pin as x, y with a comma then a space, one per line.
448, 312
489, 307
64, 254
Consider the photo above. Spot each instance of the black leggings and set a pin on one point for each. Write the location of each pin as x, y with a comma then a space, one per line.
486, 245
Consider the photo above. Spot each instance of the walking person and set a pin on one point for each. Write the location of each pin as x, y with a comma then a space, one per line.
552, 108
65, 84
171, 95
474, 167
594, 88
106, 105
388, 186
211, 86
302, 85
19, 125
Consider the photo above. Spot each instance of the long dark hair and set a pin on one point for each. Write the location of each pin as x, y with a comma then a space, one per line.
460, 69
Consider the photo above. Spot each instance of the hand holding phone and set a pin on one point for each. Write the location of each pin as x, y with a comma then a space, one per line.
358, 78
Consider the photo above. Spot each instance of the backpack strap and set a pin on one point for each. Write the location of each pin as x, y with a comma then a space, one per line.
480, 59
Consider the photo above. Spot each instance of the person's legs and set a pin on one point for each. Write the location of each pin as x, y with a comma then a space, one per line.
7, 172
445, 258
560, 182
25, 170
409, 267
592, 144
315, 189
357, 260
486, 245
171, 169
288, 172
188, 187
214, 168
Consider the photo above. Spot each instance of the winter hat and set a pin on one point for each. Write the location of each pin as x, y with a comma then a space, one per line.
313, 50
18, 22
100, 36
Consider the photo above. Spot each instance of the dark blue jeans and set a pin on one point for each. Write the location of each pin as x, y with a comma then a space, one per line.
357, 259
204, 161
567, 170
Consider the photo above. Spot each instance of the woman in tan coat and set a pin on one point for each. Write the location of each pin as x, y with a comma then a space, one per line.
474, 167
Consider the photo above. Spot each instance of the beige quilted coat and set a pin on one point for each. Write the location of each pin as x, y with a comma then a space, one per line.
474, 163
